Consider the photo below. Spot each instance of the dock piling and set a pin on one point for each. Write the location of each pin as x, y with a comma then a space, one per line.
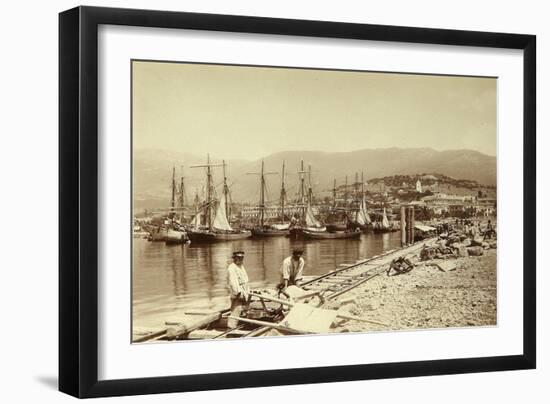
403, 227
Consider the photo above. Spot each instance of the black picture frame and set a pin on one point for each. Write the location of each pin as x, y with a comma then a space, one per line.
78, 200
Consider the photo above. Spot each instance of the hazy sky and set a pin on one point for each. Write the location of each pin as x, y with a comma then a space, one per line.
250, 112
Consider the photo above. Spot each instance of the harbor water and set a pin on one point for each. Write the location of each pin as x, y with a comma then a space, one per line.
168, 279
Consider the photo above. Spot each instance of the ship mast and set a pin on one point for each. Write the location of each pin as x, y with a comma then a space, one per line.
226, 192
334, 194
262, 196
356, 186
310, 189
346, 194
356, 194
209, 188
173, 199
263, 186
181, 198
283, 194
302, 190
362, 186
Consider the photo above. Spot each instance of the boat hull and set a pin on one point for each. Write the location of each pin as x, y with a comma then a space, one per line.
259, 232
212, 237
176, 237
157, 236
298, 232
331, 236
333, 227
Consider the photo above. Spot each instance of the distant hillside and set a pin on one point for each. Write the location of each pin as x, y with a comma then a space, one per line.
428, 180
153, 170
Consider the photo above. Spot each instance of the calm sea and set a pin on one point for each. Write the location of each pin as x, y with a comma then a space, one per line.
167, 279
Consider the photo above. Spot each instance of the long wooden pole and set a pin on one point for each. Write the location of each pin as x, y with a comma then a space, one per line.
412, 225
403, 225
185, 328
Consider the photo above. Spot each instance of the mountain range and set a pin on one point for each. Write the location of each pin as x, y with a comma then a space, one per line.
152, 169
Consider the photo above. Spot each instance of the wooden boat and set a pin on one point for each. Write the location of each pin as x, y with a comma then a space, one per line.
215, 214
332, 235
334, 227
176, 237
206, 236
270, 230
362, 218
307, 220
212, 324
157, 234
298, 231
384, 225
139, 232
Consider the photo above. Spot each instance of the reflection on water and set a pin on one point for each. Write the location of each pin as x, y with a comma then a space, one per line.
169, 278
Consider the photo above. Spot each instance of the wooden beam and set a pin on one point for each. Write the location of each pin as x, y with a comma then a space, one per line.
151, 336
185, 328
270, 325
257, 332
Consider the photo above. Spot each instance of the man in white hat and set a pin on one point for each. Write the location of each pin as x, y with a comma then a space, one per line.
238, 285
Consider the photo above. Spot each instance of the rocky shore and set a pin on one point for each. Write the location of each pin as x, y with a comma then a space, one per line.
437, 293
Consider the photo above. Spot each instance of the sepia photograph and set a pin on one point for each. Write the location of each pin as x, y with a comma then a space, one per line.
272, 201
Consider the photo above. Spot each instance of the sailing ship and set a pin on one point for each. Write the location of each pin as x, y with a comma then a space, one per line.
306, 220
167, 228
346, 230
211, 223
362, 218
383, 226
275, 229
174, 233
336, 220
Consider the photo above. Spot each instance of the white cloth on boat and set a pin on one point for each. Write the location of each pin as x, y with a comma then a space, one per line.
292, 270
385, 223
220, 221
238, 281
311, 221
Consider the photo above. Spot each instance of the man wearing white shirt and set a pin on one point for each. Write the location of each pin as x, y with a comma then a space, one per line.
292, 269
238, 286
